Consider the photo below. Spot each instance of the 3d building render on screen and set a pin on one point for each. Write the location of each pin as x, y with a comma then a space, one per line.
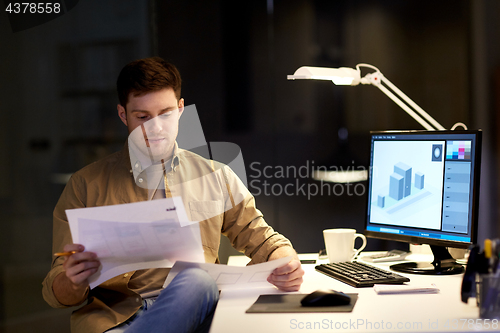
407, 183
400, 181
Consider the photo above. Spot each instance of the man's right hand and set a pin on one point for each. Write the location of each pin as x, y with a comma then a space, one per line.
80, 265
71, 286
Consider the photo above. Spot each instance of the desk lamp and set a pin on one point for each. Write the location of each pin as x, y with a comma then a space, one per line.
352, 77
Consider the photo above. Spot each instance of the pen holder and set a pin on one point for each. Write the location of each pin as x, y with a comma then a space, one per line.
488, 296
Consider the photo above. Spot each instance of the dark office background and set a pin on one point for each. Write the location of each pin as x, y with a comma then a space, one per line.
58, 105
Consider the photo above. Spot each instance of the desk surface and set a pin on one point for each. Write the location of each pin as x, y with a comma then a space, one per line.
443, 312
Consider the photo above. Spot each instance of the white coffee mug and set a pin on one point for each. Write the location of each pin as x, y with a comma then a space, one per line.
340, 244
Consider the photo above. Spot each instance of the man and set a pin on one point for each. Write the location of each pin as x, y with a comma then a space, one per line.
150, 106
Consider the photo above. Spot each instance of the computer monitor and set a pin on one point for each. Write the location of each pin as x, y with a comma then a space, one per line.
423, 188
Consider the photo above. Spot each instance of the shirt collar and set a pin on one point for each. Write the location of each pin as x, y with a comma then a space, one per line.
139, 162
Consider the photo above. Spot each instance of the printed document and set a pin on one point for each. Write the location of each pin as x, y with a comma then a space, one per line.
233, 277
141, 235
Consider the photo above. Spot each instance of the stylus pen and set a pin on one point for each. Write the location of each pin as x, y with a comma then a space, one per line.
62, 254
487, 248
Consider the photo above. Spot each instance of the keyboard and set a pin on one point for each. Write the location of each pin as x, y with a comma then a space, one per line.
360, 275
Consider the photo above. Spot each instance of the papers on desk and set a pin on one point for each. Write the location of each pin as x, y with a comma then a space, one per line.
392, 289
233, 277
141, 235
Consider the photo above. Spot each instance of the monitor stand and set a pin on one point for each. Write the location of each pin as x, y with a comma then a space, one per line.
443, 264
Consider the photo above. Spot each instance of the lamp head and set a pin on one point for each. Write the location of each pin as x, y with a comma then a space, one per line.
339, 76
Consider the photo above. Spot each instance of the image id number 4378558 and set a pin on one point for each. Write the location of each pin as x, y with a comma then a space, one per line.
475, 324
33, 8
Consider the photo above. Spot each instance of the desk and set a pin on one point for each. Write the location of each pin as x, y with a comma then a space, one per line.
443, 312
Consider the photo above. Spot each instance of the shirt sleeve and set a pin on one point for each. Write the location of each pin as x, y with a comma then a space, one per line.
70, 198
244, 224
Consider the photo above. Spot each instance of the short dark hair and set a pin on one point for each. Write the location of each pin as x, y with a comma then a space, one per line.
147, 75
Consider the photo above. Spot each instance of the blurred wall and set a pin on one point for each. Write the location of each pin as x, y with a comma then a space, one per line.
58, 104
425, 48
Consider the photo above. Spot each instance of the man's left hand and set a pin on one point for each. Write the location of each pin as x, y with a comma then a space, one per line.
288, 277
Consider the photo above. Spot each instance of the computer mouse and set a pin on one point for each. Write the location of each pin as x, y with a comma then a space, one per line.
325, 297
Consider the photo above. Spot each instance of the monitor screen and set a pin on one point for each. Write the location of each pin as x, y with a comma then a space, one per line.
423, 187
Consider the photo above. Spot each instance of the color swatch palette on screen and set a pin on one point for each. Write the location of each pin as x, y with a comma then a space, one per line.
458, 150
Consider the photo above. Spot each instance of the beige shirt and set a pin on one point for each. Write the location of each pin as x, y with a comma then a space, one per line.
211, 193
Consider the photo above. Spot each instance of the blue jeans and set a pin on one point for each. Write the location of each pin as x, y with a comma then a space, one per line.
187, 304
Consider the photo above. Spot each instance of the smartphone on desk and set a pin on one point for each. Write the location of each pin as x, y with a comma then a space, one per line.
393, 255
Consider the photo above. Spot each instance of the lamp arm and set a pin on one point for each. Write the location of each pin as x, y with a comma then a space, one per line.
377, 78
405, 107
412, 104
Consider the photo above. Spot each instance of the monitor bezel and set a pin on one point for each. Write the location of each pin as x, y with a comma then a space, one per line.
475, 193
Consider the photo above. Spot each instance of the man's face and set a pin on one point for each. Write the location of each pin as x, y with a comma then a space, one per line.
153, 122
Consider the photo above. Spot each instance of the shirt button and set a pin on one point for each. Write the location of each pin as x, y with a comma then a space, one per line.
125, 275
138, 299
140, 180
137, 165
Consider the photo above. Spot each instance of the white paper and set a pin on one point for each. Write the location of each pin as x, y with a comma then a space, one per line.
233, 277
404, 289
141, 235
